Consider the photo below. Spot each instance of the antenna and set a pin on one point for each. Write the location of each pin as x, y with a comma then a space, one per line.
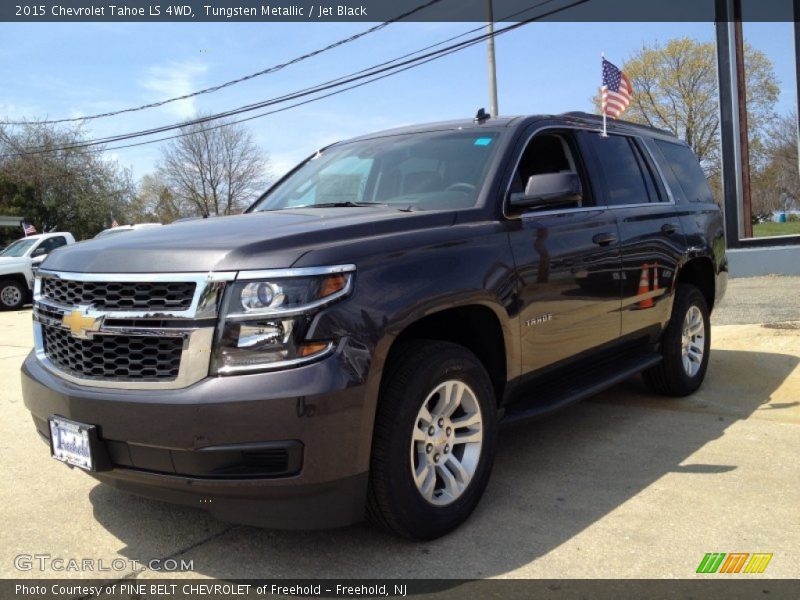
481, 116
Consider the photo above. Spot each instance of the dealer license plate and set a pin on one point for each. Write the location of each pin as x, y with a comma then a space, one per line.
69, 442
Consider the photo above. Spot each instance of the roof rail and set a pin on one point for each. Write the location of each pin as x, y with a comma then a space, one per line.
593, 117
578, 113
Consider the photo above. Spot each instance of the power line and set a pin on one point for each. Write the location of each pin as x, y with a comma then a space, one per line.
359, 75
364, 74
267, 71
271, 112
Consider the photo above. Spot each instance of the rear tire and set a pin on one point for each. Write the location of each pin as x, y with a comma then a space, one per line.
685, 346
12, 295
434, 440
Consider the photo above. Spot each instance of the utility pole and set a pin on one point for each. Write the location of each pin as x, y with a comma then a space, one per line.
493, 107
741, 92
797, 67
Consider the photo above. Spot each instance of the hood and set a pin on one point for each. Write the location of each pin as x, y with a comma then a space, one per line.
11, 262
266, 240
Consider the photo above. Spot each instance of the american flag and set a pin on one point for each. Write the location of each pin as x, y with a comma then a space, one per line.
28, 229
617, 90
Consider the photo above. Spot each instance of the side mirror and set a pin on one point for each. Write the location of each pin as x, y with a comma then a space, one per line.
37, 260
549, 189
38, 252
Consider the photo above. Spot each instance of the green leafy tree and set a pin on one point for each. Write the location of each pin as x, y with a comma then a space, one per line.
56, 186
675, 88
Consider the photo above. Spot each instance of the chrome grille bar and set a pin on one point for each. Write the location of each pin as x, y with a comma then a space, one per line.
97, 346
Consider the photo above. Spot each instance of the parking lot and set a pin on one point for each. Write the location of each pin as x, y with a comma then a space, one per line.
625, 485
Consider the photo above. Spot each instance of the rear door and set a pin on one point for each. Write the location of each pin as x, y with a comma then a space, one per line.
650, 233
568, 262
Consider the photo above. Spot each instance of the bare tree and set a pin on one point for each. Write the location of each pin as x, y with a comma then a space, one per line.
776, 183
214, 170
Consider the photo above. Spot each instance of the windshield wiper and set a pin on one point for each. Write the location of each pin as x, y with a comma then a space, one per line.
345, 204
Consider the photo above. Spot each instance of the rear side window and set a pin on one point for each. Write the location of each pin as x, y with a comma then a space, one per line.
686, 171
627, 176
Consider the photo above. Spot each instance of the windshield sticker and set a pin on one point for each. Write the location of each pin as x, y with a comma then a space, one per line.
484, 141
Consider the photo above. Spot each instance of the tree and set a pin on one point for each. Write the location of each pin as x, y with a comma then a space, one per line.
214, 170
675, 88
775, 185
156, 202
54, 185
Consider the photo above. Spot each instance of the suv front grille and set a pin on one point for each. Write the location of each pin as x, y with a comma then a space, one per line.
120, 296
118, 357
143, 331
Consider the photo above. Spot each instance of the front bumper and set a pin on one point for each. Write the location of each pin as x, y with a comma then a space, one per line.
238, 447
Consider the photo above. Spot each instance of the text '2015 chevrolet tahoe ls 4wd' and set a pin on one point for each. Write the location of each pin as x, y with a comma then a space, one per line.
348, 347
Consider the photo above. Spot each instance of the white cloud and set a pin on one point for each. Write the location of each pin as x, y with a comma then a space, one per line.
175, 79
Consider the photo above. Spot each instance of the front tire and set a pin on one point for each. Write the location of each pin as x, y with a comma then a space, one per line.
685, 346
434, 441
12, 295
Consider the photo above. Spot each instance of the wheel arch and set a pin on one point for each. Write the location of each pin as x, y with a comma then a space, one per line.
17, 277
699, 272
476, 327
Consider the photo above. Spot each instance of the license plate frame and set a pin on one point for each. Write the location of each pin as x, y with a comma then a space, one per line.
73, 443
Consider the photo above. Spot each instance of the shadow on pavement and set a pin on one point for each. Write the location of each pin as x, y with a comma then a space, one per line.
552, 479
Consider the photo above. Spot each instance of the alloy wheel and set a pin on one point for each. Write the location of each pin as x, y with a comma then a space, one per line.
693, 337
446, 442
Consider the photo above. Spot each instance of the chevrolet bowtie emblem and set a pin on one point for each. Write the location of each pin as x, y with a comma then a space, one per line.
79, 323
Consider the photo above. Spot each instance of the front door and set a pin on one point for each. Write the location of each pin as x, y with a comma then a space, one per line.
568, 263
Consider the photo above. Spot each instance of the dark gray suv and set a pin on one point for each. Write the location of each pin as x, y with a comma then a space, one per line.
349, 346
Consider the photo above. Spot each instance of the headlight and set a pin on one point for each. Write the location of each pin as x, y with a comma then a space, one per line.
265, 317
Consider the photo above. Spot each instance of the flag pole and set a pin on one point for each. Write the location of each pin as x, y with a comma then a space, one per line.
602, 106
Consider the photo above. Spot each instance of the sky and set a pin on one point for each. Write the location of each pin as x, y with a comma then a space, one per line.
55, 70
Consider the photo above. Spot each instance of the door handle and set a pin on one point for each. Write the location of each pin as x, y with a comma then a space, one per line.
604, 239
669, 228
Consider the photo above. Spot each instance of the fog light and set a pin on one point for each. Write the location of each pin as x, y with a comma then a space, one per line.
264, 333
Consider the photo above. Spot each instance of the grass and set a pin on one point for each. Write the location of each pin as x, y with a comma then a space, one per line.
769, 229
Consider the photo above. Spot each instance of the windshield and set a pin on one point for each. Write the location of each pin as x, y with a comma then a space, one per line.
18, 248
426, 171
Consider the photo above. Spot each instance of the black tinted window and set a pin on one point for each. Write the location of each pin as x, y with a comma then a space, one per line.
51, 244
688, 174
622, 166
550, 153
57, 243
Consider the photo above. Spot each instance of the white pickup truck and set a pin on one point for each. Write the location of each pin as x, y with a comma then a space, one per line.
19, 261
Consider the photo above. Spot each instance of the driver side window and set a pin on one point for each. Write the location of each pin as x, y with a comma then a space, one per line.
48, 245
549, 153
